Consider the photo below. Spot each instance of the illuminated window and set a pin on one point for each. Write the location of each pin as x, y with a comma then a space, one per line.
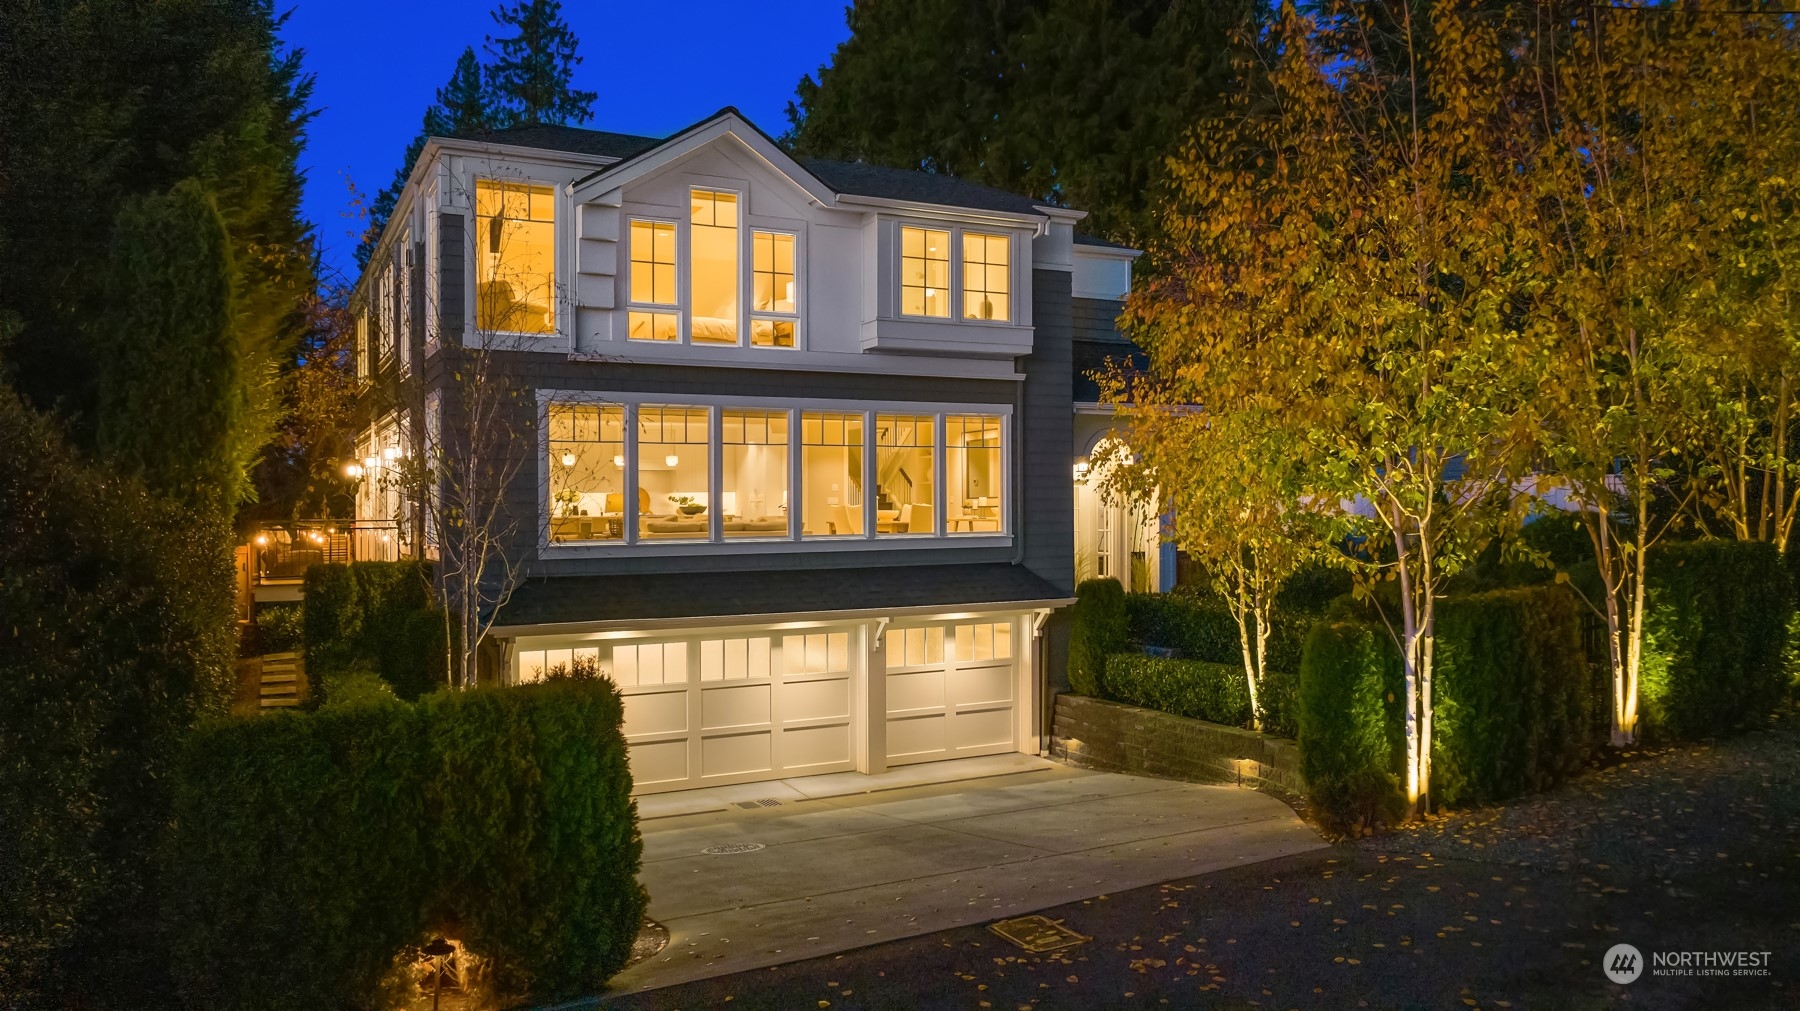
754, 458
674, 474
817, 653
384, 313
924, 272
991, 641
914, 647
904, 474
515, 284
973, 472
587, 472
713, 246
772, 289
652, 251
986, 277
831, 456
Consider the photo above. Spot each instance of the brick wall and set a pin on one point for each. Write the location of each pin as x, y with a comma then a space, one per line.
1114, 737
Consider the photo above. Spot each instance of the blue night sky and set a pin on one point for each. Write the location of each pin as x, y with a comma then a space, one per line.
657, 67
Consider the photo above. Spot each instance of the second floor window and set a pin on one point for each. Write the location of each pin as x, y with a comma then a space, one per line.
924, 272
515, 239
773, 304
653, 282
986, 277
713, 244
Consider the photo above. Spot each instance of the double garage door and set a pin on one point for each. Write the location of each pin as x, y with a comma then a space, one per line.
722, 708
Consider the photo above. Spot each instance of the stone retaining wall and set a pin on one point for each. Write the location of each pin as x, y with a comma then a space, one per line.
1114, 737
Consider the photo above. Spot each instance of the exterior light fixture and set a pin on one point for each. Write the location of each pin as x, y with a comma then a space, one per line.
262, 540
371, 462
353, 470
672, 459
568, 458
619, 460
1081, 470
391, 453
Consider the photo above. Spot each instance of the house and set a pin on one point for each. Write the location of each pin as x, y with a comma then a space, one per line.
795, 437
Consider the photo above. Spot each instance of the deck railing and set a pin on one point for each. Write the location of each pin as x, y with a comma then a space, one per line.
282, 552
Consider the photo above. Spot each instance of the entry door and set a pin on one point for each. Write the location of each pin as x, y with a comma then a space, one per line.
951, 691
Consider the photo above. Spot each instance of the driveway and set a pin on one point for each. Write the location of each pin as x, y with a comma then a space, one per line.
822, 870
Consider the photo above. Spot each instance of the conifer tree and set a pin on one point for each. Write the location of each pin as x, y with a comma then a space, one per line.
534, 68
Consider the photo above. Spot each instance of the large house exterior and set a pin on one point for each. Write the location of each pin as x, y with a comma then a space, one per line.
801, 436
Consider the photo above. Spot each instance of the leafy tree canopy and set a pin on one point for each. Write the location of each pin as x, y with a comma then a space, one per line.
1075, 101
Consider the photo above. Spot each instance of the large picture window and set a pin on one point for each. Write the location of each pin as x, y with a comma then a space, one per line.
674, 471
619, 472
515, 238
713, 242
905, 474
754, 463
831, 475
974, 471
587, 472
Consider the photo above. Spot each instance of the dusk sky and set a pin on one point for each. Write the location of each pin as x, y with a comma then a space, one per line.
657, 67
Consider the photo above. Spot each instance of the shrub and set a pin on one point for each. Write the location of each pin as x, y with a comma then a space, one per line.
279, 628
1510, 706
375, 613
309, 850
1349, 724
1278, 697
1715, 628
1192, 688
357, 686
1097, 629
1197, 628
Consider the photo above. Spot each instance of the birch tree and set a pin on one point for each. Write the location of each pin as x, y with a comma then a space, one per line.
1337, 261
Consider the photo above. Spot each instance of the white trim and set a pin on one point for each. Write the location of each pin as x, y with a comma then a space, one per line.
724, 124
778, 621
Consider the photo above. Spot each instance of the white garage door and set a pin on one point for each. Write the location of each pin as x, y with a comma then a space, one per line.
950, 691
714, 710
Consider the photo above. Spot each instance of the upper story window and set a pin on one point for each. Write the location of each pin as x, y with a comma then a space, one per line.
383, 317
773, 305
987, 277
403, 308
924, 272
713, 247
653, 282
515, 235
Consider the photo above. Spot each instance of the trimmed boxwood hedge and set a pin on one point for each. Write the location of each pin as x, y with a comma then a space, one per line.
378, 615
1349, 718
1096, 630
1193, 688
309, 849
1715, 631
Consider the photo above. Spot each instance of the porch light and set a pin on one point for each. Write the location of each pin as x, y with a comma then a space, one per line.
353, 470
672, 459
391, 453
1081, 470
568, 458
262, 540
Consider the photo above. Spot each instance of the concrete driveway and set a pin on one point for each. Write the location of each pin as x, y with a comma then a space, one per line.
824, 869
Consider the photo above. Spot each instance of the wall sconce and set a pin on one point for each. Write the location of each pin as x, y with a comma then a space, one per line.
262, 540
672, 459
391, 453
619, 460
568, 458
353, 470
1081, 470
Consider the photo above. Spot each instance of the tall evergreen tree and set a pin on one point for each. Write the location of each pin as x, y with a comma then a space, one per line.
464, 105
533, 69
1075, 101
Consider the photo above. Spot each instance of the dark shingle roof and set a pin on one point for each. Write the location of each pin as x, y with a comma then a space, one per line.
560, 600
865, 180
573, 139
1094, 240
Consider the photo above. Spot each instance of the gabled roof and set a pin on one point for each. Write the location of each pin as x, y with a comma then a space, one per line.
573, 139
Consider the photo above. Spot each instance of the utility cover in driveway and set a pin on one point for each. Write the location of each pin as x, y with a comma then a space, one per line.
1037, 934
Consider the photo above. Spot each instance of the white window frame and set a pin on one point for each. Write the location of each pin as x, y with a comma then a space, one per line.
675, 307
957, 231
715, 542
558, 212
751, 313
684, 274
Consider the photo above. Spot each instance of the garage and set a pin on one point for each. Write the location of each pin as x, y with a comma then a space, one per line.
951, 691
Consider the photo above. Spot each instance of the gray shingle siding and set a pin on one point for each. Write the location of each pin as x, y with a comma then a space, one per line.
1047, 435
452, 272
1096, 319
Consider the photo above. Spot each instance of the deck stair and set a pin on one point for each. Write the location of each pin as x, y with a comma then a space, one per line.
281, 681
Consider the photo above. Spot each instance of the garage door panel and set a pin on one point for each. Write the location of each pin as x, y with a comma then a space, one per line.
736, 754
922, 689
980, 686
916, 735
815, 700
804, 747
983, 729
658, 762
734, 706
652, 713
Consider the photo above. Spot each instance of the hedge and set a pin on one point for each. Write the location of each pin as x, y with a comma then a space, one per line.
1715, 631
1096, 630
1511, 712
1193, 688
376, 614
1349, 720
308, 850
